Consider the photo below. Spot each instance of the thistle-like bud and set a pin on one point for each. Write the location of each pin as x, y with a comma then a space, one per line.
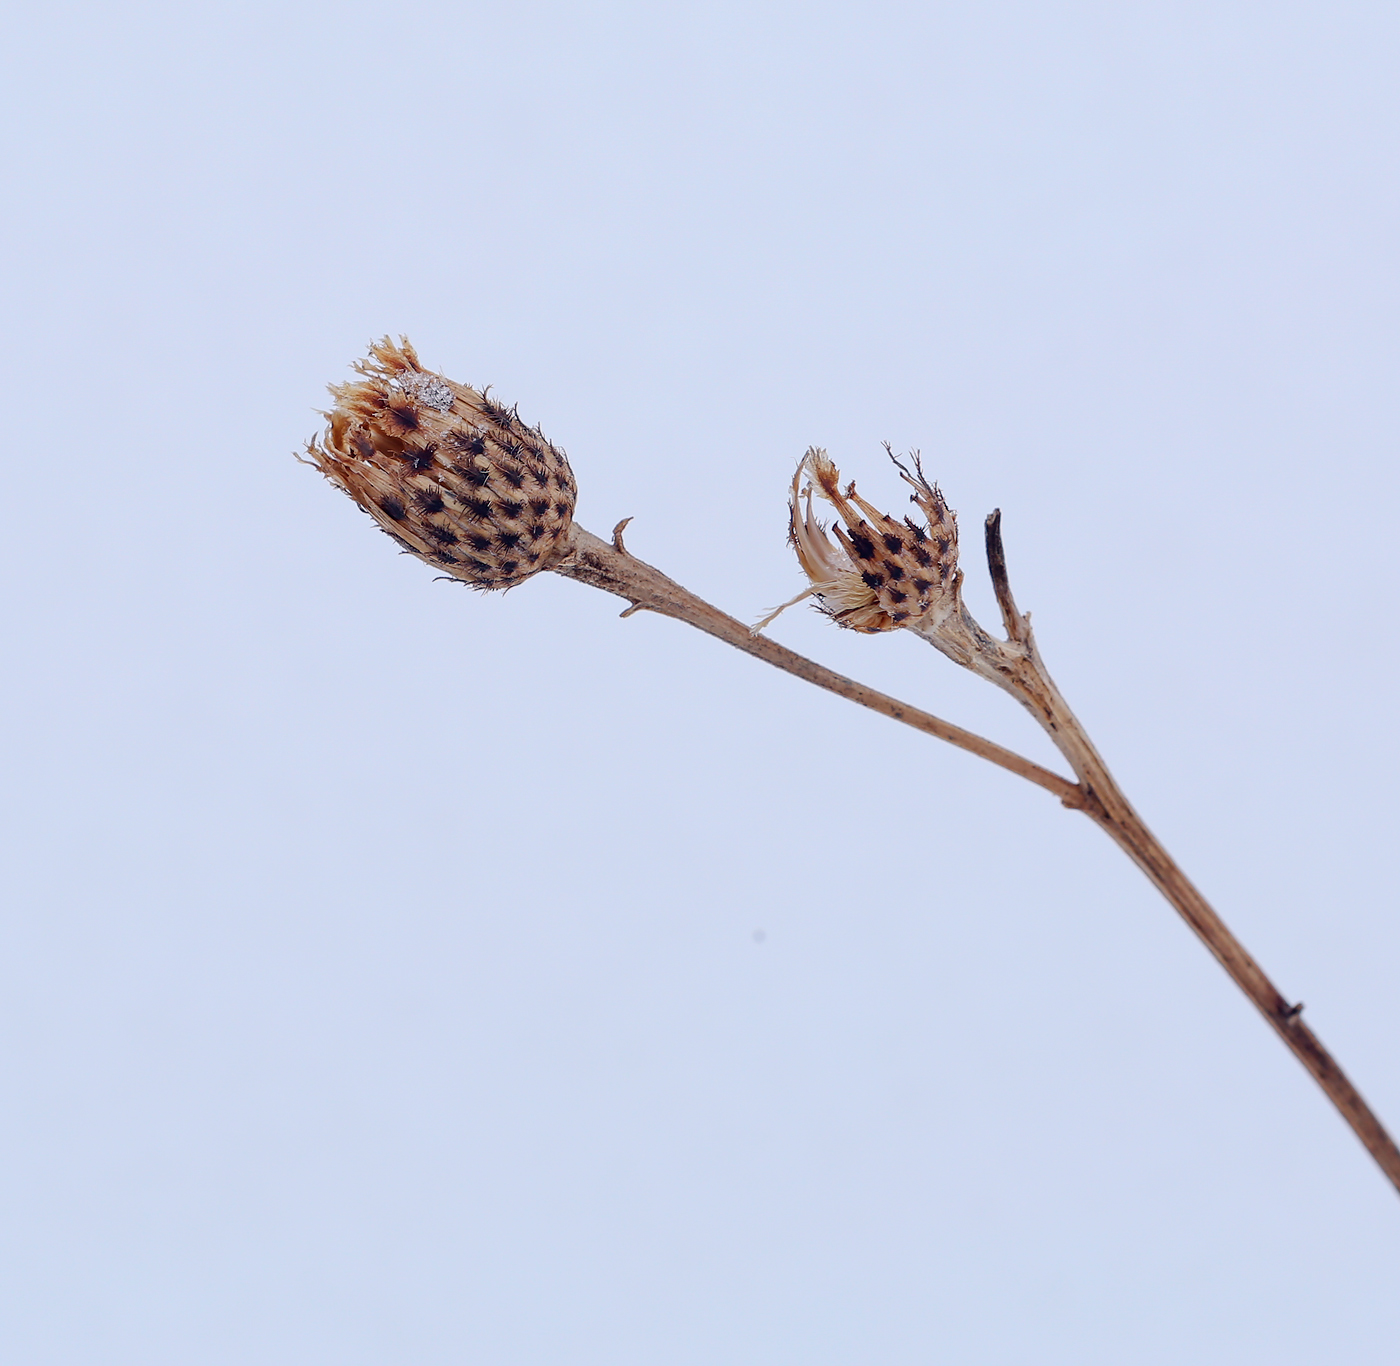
455, 477
879, 574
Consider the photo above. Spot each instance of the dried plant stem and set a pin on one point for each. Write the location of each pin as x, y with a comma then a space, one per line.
1014, 665
1105, 804
1127, 830
611, 568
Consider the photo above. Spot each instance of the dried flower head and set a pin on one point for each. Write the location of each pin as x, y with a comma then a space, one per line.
878, 574
455, 477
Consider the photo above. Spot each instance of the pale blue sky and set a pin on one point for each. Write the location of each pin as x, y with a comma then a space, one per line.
378, 970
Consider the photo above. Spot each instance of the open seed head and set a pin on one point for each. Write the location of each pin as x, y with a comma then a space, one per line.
455, 477
878, 574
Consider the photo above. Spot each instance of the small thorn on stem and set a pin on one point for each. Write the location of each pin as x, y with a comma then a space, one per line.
1292, 1012
617, 545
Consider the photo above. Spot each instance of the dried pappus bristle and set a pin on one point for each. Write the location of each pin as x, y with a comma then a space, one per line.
455, 477
878, 574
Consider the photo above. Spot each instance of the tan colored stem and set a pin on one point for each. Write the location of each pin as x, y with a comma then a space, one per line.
612, 568
1014, 665
1138, 842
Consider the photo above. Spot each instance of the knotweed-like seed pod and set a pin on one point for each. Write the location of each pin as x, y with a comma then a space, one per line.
879, 574
455, 477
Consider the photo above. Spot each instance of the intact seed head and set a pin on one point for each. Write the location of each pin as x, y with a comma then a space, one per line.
878, 574
454, 476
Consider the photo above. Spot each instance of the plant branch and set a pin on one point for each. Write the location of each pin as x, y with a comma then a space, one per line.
1014, 665
611, 567
428, 503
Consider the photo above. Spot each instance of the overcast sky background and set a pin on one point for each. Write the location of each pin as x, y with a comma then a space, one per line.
390, 973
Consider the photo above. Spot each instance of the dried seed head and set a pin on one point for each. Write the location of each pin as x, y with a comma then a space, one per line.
879, 574
455, 477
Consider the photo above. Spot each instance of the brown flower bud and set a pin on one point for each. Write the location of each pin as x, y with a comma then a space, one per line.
879, 574
455, 477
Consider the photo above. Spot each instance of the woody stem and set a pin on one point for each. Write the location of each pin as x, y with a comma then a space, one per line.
1016, 665
610, 567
